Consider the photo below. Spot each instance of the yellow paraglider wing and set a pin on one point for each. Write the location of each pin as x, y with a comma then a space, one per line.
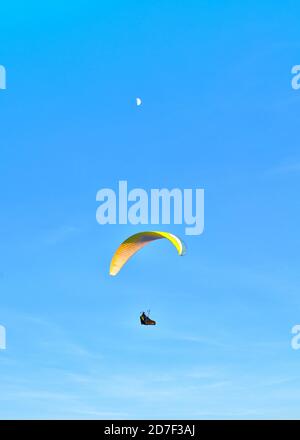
136, 242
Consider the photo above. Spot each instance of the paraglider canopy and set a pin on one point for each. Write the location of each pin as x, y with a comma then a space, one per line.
136, 242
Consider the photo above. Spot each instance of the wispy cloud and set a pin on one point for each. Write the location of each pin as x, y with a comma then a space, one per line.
285, 168
60, 234
198, 339
70, 380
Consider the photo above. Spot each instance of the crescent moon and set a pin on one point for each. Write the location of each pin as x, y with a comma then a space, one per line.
138, 101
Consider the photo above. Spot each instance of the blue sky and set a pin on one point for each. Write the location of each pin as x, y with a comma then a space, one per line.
218, 113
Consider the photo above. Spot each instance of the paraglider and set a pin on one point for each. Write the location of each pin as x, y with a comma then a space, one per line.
132, 245
145, 320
